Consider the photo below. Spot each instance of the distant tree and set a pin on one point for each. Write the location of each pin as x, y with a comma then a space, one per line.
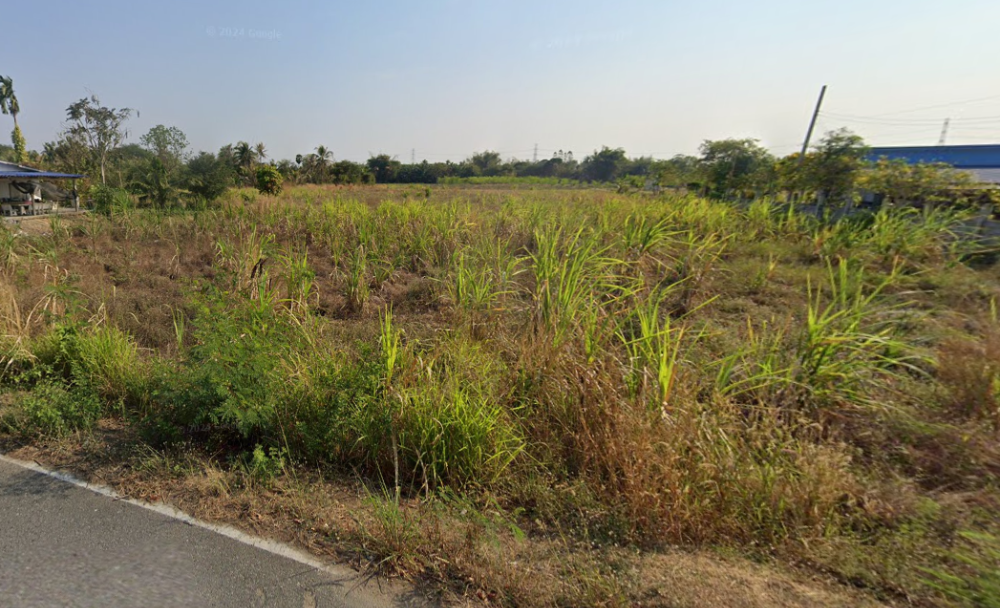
324, 156
161, 176
641, 166
260, 151
835, 165
68, 154
208, 176
681, 170
347, 172
128, 163
384, 168
604, 165
920, 183
419, 173
10, 105
268, 180
288, 169
100, 128
245, 159
734, 165
152, 182
487, 163
169, 144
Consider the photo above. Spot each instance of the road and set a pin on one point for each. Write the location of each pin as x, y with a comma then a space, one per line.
65, 545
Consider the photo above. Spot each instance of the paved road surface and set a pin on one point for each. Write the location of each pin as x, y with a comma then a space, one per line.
63, 545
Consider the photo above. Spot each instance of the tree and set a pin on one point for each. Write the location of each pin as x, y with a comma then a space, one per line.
159, 177
924, 183
384, 168
604, 165
347, 172
834, 167
169, 144
208, 176
100, 128
268, 180
487, 163
681, 170
324, 155
288, 169
10, 105
68, 154
733, 165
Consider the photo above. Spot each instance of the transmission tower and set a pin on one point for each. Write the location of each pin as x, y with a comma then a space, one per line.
534, 157
944, 132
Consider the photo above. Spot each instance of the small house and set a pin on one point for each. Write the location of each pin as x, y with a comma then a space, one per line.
27, 191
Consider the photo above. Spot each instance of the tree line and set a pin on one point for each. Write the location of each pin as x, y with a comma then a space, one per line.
161, 170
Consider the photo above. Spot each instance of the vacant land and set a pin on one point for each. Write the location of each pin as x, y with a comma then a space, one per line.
533, 397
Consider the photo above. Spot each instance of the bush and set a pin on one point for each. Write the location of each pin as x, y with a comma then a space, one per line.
52, 408
207, 177
102, 357
231, 383
110, 201
269, 180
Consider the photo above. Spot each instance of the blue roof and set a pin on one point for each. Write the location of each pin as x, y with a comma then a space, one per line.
37, 175
961, 157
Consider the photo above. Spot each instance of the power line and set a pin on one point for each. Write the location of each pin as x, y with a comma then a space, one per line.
908, 121
940, 105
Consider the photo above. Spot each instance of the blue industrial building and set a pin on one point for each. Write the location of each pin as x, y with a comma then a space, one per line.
983, 161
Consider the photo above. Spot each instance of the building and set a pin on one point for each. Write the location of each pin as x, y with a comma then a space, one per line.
26, 191
982, 161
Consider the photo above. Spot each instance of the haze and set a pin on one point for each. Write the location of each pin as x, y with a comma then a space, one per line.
444, 78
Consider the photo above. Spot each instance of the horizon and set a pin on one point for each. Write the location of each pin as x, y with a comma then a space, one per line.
447, 78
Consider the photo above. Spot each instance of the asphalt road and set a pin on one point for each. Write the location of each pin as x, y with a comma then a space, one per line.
64, 545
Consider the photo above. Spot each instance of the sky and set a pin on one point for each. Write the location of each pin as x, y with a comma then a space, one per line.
441, 79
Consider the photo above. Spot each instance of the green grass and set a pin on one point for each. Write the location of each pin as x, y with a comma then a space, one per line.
697, 373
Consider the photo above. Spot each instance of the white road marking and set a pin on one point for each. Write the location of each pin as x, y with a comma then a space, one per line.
270, 546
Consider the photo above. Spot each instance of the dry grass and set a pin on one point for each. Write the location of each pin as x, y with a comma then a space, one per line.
614, 376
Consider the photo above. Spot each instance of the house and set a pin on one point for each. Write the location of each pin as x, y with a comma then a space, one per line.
26, 191
982, 161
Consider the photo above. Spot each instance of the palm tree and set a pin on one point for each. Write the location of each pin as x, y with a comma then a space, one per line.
10, 105
243, 154
322, 157
260, 151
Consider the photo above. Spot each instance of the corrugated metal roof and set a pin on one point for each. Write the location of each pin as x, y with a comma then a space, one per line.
37, 175
986, 156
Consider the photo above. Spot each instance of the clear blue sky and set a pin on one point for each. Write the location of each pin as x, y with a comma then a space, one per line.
449, 77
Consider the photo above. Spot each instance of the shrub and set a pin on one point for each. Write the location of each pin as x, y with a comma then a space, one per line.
52, 408
111, 201
269, 180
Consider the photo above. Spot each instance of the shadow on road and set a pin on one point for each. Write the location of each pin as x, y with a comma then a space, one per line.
29, 483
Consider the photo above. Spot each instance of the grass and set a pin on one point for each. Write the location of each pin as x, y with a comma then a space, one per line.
570, 376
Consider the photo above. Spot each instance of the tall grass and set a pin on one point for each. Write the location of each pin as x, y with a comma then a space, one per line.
592, 359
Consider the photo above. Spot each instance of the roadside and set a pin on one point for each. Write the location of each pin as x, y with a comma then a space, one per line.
447, 556
68, 545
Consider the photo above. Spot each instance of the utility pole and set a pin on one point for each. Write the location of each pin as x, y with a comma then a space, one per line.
944, 132
534, 157
812, 124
